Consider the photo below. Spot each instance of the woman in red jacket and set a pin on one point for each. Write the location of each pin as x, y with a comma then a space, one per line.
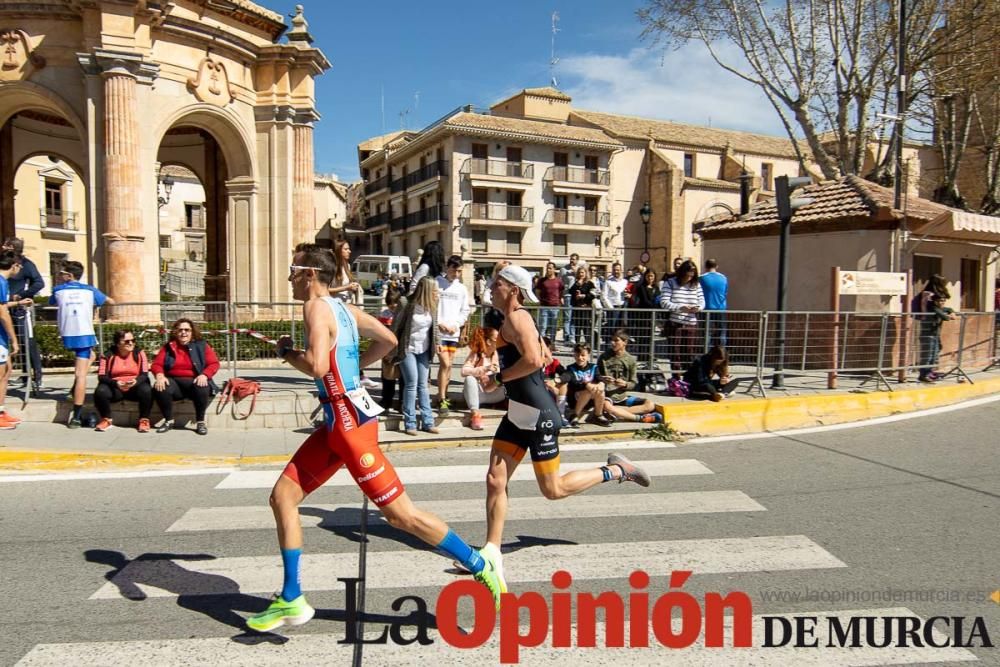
183, 368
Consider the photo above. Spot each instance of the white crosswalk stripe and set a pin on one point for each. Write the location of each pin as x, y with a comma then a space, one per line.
409, 568
258, 517
264, 479
325, 649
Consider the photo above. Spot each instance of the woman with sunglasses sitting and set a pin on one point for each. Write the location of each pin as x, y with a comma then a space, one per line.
123, 375
183, 368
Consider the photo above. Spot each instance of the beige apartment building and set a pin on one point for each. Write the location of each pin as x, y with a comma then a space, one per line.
536, 180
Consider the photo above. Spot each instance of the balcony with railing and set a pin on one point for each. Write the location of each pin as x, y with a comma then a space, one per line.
502, 215
431, 215
377, 220
379, 183
577, 179
57, 219
490, 171
575, 218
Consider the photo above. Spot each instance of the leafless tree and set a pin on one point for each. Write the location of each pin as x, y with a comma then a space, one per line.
826, 66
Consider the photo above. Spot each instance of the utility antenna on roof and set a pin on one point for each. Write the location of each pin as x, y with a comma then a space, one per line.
552, 59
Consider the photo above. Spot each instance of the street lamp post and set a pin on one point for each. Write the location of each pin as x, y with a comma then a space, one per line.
168, 184
645, 213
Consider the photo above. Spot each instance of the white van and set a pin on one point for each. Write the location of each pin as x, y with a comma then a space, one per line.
369, 268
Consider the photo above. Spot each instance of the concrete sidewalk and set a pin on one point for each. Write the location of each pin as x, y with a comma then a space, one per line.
41, 443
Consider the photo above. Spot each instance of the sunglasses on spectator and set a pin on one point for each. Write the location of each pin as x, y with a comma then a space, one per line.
183, 329
128, 341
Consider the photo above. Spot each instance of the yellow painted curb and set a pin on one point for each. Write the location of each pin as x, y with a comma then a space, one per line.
761, 415
23, 460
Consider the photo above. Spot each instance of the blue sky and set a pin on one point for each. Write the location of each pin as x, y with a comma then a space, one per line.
430, 57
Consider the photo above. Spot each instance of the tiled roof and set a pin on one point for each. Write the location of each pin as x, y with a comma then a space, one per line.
534, 128
847, 199
715, 183
176, 171
548, 91
254, 8
670, 132
379, 142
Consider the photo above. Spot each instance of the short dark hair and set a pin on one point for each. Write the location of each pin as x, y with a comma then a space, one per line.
16, 244
711, 264
622, 334
320, 259
581, 347
73, 268
454, 262
8, 258
117, 338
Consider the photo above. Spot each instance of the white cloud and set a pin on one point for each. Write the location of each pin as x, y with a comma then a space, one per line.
684, 85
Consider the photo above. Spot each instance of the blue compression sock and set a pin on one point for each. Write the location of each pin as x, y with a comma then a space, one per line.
291, 588
459, 549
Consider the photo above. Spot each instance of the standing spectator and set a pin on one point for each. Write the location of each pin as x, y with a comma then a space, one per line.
25, 283
568, 275
550, 296
416, 335
123, 375
715, 286
452, 314
479, 370
344, 287
615, 293
76, 303
930, 336
8, 338
479, 286
645, 299
996, 301
937, 285
488, 290
702, 373
581, 297
431, 264
619, 372
183, 368
683, 298
390, 372
673, 272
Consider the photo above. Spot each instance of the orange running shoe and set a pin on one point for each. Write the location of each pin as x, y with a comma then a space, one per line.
103, 425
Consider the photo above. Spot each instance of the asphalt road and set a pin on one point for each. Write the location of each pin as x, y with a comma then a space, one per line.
162, 570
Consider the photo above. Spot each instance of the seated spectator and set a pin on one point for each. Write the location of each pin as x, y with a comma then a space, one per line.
708, 376
479, 370
585, 388
553, 373
123, 375
619, 372
183, 368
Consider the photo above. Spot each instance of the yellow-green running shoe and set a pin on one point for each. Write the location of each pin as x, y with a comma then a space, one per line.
491, 576
281, 613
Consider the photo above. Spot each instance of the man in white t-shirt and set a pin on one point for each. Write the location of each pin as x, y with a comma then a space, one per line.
76, 304
452, 313
614, 294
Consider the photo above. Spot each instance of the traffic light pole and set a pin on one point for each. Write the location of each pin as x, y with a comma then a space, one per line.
778, 381
786, 205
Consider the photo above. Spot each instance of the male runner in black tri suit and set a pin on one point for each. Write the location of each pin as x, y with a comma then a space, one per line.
532, 421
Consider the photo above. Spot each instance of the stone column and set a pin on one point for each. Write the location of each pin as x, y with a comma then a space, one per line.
303, 227
122, 234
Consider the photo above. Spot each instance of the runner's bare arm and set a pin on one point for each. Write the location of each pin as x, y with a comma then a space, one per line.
525, 336
382, 340
314, 361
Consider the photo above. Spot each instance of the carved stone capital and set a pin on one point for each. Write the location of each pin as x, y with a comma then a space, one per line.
106, 63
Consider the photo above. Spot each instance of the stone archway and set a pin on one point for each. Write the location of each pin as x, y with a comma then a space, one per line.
213, 147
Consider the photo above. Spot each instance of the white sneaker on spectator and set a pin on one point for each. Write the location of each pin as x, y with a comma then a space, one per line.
369, 383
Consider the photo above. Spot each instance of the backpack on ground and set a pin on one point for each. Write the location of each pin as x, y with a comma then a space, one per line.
236, 389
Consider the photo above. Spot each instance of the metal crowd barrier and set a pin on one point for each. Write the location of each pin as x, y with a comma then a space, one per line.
823, 346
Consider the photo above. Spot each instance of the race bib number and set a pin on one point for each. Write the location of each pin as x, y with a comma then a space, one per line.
365, 404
